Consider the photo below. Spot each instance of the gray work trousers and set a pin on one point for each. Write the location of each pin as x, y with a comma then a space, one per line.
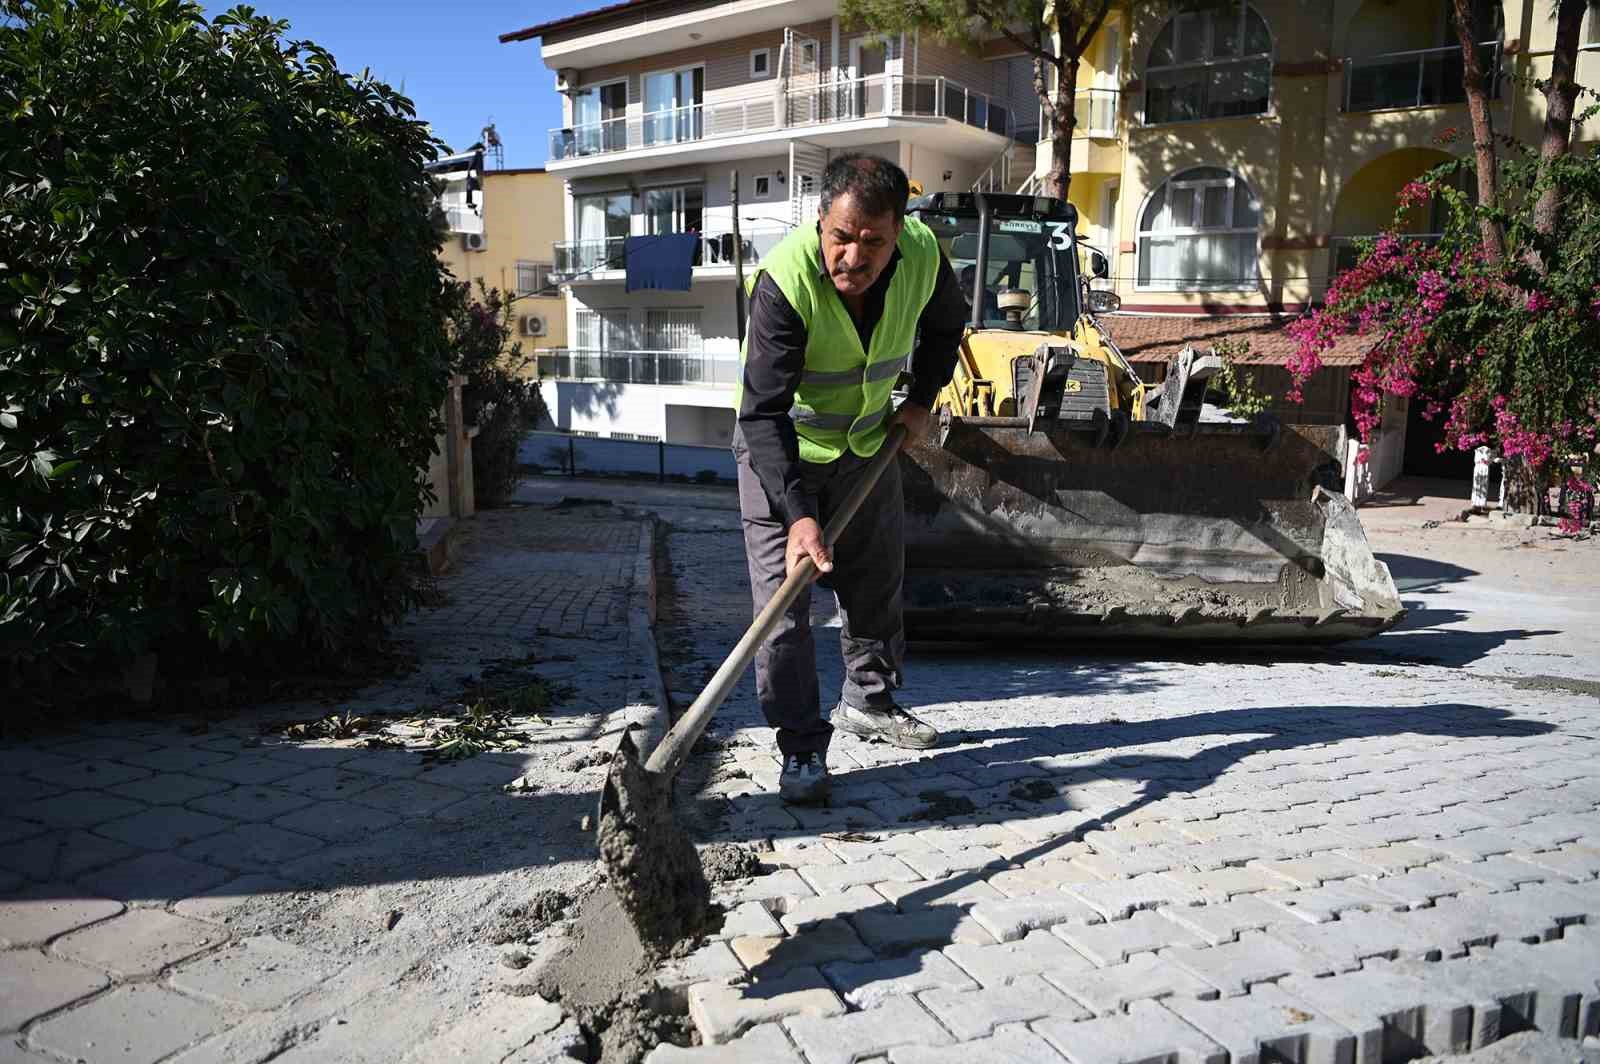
868, 567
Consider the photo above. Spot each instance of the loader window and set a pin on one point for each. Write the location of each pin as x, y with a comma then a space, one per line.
1035, 254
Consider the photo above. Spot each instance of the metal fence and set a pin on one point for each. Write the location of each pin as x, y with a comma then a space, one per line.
580, 455
637, 367
1426, 77
575, 258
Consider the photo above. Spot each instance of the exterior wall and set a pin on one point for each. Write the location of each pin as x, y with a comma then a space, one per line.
522, 218
674, 413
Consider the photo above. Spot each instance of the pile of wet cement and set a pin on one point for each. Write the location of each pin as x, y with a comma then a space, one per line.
1091, 590
520, 922
725, 861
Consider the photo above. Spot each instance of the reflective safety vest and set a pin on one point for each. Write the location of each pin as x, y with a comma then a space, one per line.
843, 397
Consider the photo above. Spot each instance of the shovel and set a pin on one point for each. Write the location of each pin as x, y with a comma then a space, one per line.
653, 866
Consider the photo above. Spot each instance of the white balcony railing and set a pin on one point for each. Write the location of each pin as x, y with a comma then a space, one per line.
638, 367
575, 259
878, 96
1426, 77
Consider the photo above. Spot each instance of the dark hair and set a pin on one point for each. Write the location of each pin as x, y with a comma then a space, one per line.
878, 185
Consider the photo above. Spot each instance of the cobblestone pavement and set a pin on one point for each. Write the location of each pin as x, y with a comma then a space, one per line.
1369, 853
210, 891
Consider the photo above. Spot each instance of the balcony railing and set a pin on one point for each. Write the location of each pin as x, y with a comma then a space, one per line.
1095, 111
576, 258
878, 96
1429, 77
638, 367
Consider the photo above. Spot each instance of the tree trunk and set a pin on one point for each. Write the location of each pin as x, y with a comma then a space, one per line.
1560, 93
1063, 120
1524, 487
1472, 80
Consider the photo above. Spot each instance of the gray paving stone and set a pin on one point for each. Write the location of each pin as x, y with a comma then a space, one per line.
761, 1044
495, 1029
1494, 873
891, 933
748, 920
1146, 977
820, 943
257, 973
1234, 967
59, 856
867, 985
32, 984
845, 1039
1267, 1026
1011, 919
139, 942
35, 916
1501, 1001
1011, 1044
14, 790
775, 890
252, 847
1424, 886
121, 749
329, 783
248, 770
1394, 858
1394, 1016
1357, 937
1318, 905
163, 828
92, 773
216, 904
168, 788
1114, 943
132, 1024
721, 1013
337, 821
154, 878
971, 1014
1222, 884
712, 963
175, 758
937, 864
1000, 963
1116, 866
1477, 845
1148, 1034
16, 761
1316, 870
406, 797
251, 802
1116, 901
813, 908
1574, 861
831, 879
75, 809
1225, 921
961, 890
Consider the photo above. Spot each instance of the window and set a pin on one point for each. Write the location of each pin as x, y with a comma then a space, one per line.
599, 120
763, 186
808, 55
603, 221
604, 330
672, 102
676, 334
533, 279
1209, 62
677, 209
1199, 230
1591, 25
761, 62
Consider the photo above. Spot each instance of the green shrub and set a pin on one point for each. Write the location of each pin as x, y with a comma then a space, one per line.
499, 397
223, 343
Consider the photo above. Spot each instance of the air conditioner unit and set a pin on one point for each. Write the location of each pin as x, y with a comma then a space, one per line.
566, 79
533, 325
475, 241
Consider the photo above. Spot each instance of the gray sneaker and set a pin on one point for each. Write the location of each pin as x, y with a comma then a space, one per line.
804, 779
891, 724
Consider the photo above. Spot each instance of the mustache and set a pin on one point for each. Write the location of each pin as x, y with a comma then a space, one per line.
852, 271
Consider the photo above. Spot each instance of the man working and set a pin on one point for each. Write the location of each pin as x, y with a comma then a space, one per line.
835, 312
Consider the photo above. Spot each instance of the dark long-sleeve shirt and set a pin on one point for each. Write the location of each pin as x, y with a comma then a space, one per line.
777, 356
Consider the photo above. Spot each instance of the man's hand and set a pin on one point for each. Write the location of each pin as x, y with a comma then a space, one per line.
805, 540
917, 419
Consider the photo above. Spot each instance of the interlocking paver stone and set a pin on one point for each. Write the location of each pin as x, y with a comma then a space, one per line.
1357, 937
1116, 901
723, 1012
1316, 870
337, 821
1318, 905
845, 1039
93, 773
831, 879
38, 915
248, 770
132, 1024
329, 783
1008, 1045
1499, 873
156, 878
75, 809
867, 985
1392, 1015
1221, 884
774, 889
820, 943
1234, 967
1147, 1033
251, 802
1000, 963
1113, 943
216, 904
1269, 1025
163, 828
1146, 977
973, 1014
1224, 921
32, 984
1575, 861
410, 797
169, 788
175, 758
254, 973
252, 847
891, 933
139, 942
811, 909
760, 1045
1011, 919
62, 856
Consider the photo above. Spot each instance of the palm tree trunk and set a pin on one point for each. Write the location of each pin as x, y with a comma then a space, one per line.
1560, 94
1472, 79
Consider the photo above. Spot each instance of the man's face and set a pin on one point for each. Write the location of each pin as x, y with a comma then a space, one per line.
856, 246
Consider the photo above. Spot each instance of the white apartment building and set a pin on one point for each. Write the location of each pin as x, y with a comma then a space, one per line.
664, 100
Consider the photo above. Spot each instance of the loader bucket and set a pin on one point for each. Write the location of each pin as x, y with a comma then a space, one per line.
1211, 531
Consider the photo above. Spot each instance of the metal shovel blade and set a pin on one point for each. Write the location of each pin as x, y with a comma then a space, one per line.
652, 865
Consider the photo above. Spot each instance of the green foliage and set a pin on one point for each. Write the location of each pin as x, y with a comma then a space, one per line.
499, 396
1236, 389
959, 22
222, 346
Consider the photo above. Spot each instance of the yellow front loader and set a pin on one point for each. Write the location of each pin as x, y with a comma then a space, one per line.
1064, 498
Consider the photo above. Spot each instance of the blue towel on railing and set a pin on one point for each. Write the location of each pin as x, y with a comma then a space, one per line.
665, 262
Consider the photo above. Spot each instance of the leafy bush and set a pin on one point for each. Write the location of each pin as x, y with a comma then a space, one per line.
223, 345
498, 396
1236, 389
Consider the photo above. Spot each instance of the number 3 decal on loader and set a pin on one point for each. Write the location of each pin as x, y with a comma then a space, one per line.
1060, 236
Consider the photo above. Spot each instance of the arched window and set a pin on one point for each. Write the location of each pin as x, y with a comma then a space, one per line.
1199, 230
1209, 61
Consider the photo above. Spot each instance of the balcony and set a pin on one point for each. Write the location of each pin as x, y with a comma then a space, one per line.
639, 367
878, 96
1428, 77
577, 261
1095, 112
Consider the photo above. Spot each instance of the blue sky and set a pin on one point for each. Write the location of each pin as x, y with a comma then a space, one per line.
447, 57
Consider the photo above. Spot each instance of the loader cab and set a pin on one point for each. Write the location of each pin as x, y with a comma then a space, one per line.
1016, 256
